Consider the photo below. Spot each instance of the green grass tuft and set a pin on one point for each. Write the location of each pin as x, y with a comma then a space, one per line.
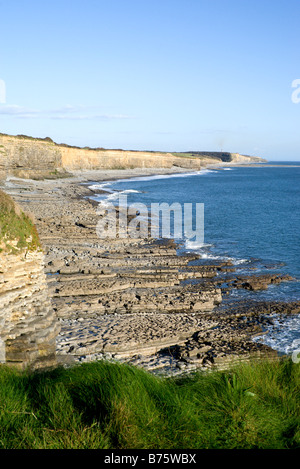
113, 406
17, 230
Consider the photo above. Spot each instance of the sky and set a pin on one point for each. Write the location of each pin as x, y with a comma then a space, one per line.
167, 75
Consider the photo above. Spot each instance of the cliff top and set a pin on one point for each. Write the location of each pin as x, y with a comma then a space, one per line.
214, 155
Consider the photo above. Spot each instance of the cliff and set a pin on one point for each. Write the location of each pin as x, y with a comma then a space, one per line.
226, 157
28, 324
29, 157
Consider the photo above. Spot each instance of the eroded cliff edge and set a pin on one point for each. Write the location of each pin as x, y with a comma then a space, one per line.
28, 157
28, 324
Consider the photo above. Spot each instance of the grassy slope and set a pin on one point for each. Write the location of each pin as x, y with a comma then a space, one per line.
106, 405
16, 229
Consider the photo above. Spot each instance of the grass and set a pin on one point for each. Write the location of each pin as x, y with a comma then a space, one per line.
115, 406
17, 230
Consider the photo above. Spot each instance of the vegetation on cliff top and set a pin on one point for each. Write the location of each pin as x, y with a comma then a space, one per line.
17, 231
107, 405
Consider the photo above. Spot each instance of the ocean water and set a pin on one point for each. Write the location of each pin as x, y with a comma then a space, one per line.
251, 217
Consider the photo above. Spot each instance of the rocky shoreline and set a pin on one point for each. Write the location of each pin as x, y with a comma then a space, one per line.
138, 300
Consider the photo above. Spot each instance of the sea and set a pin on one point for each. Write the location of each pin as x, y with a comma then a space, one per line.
251, 218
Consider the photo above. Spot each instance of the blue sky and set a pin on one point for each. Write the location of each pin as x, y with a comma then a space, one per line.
170, 75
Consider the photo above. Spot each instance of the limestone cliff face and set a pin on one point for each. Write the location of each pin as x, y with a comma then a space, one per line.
244, 159
28, 324
25, 157
74, 159
28, 157
225, 157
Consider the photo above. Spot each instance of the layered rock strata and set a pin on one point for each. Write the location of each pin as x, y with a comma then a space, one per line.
28, 323
29, 326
